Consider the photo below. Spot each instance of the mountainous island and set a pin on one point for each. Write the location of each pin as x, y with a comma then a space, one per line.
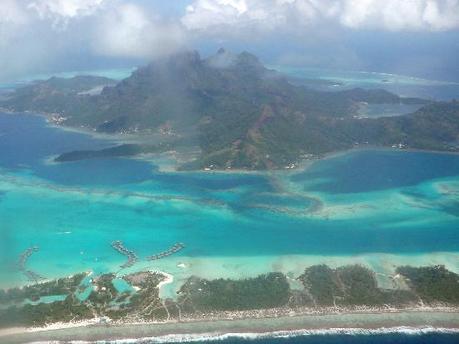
239, 114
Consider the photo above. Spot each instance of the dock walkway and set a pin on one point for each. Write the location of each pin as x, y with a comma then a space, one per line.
132, 257
23, 258
174, 249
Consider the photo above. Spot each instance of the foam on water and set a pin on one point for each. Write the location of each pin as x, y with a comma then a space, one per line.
254, 336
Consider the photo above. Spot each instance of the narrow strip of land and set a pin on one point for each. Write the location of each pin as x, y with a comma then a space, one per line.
357, 322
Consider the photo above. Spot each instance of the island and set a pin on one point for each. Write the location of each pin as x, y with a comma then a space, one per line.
235, 111
321, 291
237, 115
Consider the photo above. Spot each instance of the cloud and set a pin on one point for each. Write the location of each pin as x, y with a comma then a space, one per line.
398, 15
36, 34
12, 13
39, 33
119, 28
14, 23
127, 30
61, 11
269, 15
203, 15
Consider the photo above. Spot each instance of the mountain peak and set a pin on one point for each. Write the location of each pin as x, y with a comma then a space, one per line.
246, 57
226, 59
222, 59
187, 55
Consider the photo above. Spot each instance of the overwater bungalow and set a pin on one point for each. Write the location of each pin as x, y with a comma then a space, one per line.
174, 249
24, 257
132, 257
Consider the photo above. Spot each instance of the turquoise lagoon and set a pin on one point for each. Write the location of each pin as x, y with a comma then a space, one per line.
380, 208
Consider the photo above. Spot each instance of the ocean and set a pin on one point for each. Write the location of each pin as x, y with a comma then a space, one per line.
378, 207
394, 338
407, 86
329, 338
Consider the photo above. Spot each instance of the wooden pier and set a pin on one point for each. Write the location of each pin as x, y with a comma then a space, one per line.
174, 249
24, 257
131, 256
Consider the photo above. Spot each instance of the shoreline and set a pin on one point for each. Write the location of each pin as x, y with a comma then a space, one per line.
246, 266
370, 322
139, 138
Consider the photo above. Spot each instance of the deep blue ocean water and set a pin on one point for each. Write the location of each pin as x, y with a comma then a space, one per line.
433, 338
372, 170
25, 143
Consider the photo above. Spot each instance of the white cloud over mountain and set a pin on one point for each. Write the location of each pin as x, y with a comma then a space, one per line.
127, 30
38, 32
34, 32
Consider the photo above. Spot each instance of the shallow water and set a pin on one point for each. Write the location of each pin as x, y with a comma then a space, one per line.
376, 207
379, 208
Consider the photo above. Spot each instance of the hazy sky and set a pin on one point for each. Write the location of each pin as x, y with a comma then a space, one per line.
416, 37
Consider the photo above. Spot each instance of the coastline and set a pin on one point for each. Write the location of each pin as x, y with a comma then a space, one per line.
306, 163
140, 138
190, 330
115, 138
248, 267
208, 318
